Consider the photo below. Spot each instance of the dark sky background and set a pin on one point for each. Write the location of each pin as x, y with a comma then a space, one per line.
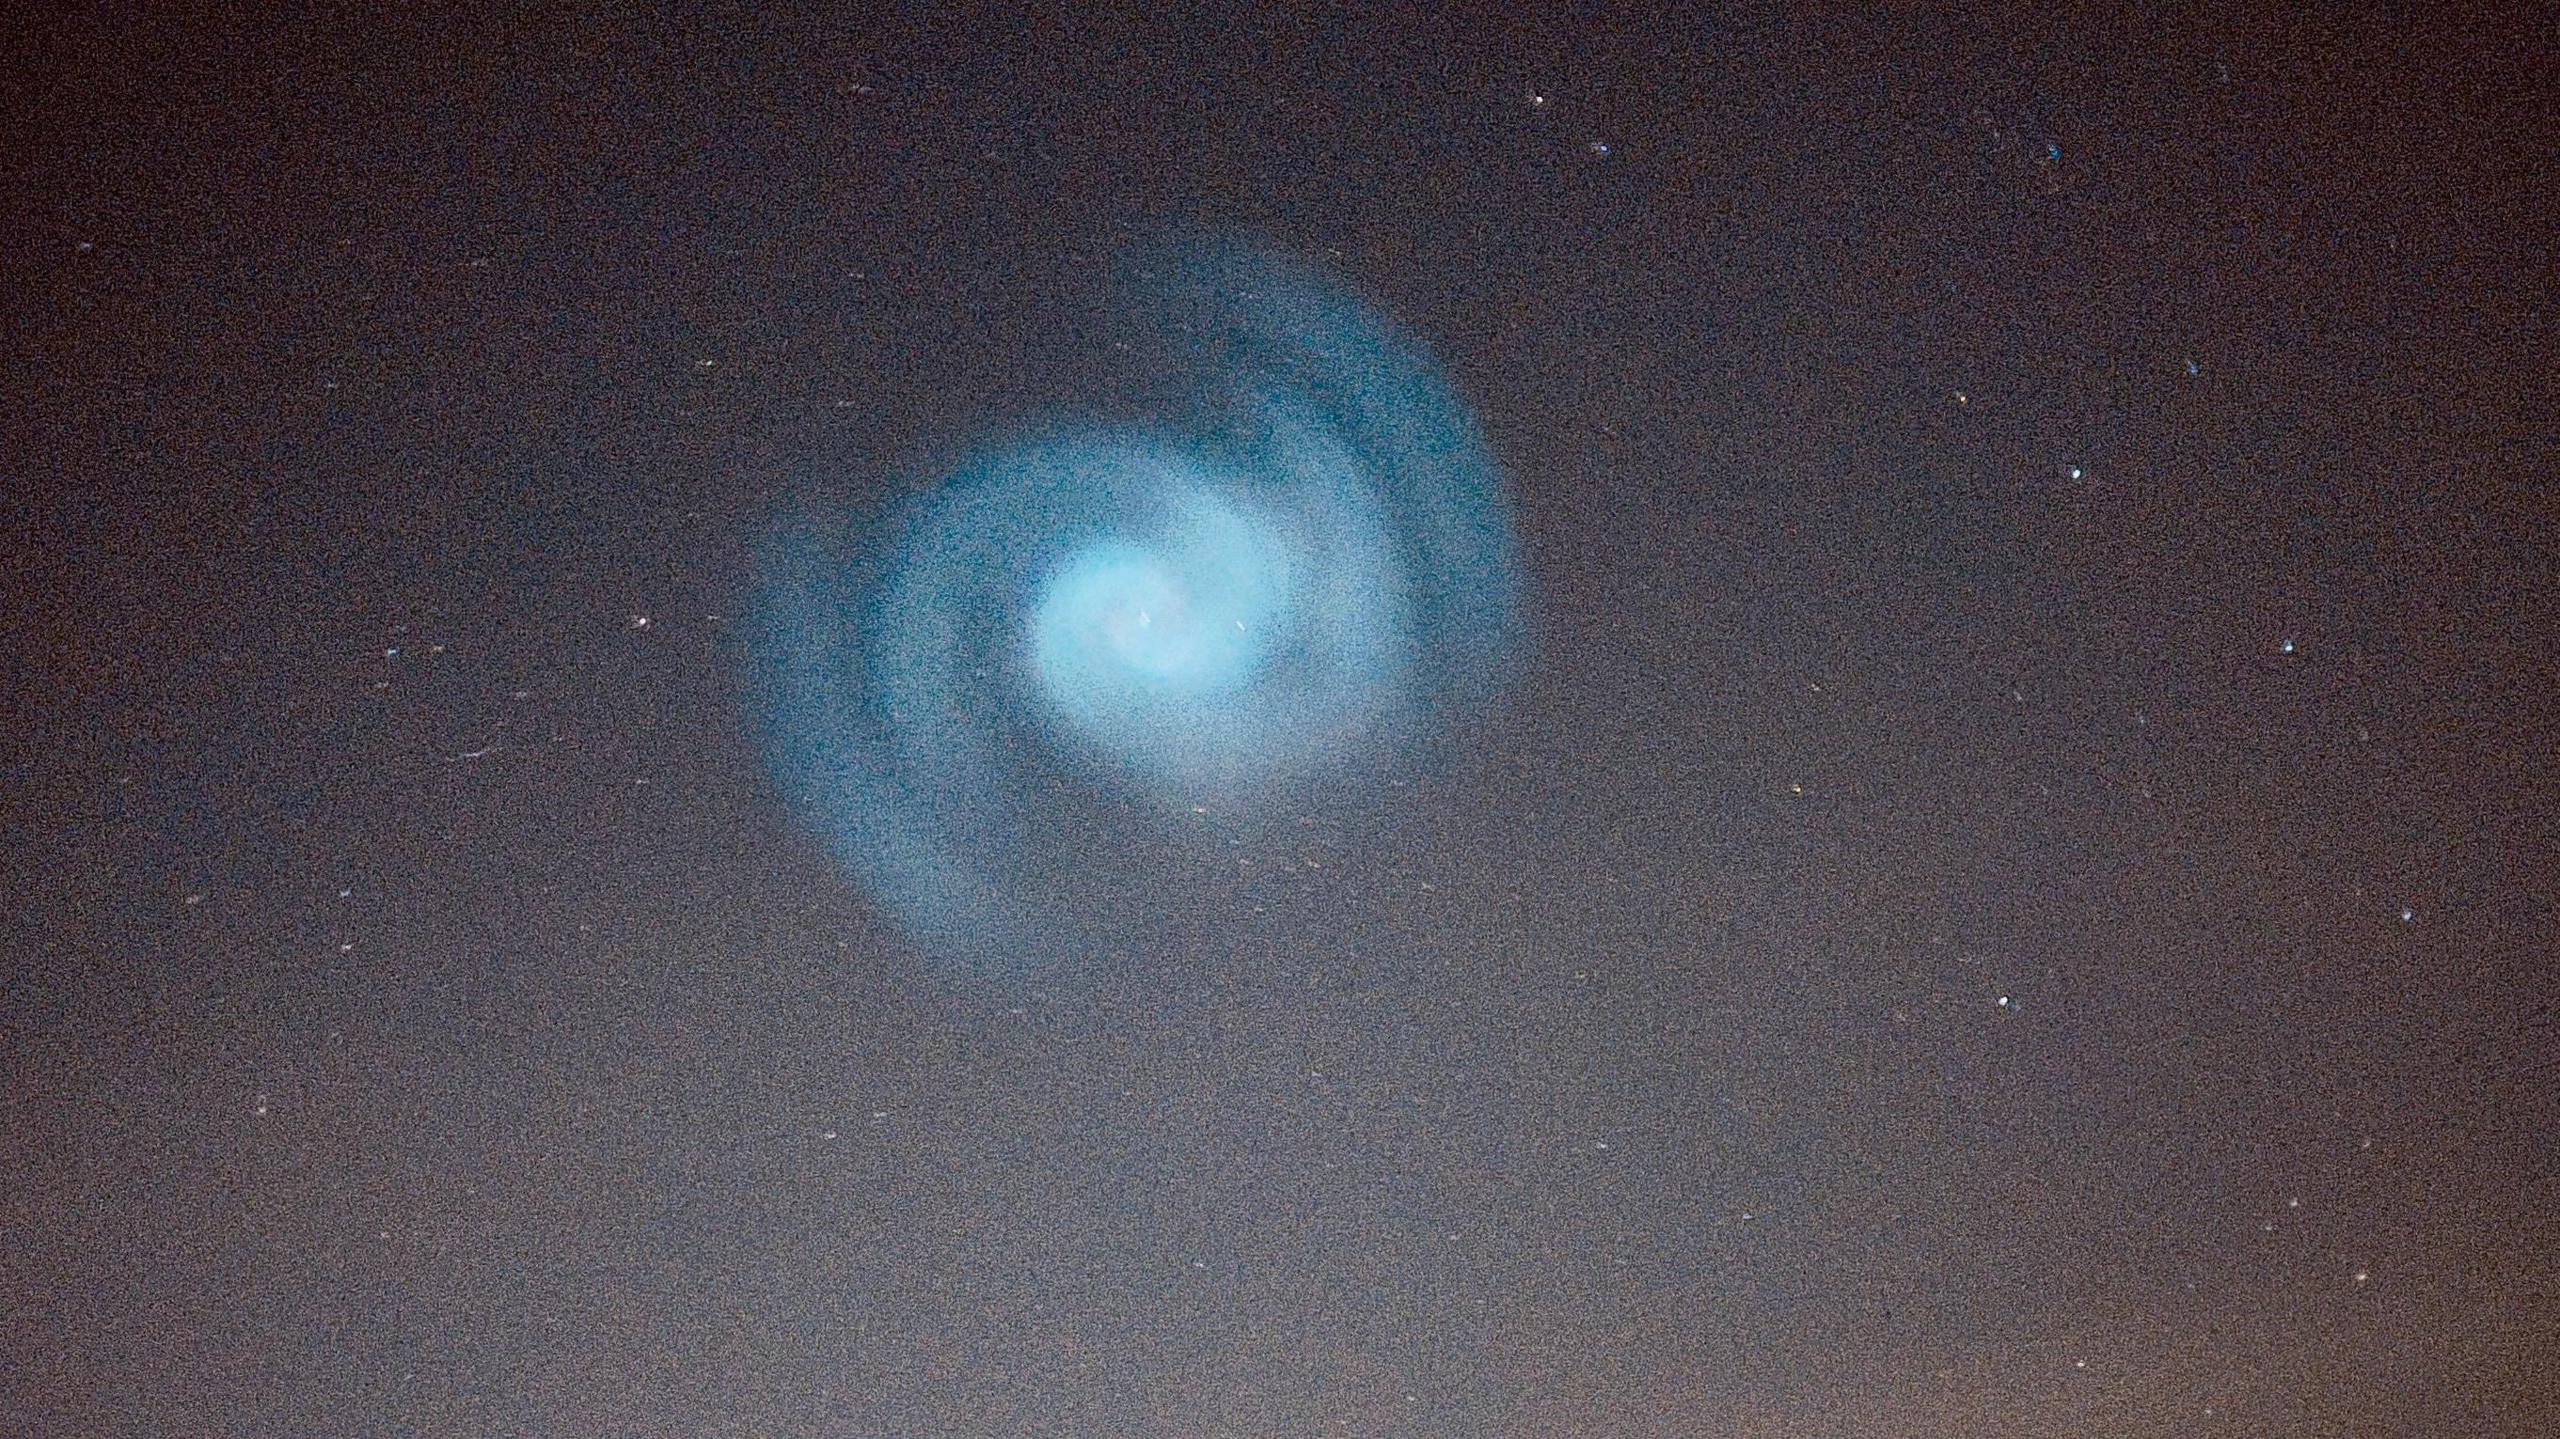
2015, 897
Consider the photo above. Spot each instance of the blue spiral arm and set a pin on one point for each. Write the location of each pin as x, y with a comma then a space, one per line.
1096, 652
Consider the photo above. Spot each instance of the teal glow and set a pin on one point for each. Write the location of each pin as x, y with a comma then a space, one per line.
1096, 641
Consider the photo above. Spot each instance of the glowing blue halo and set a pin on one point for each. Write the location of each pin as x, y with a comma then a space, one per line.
1026, 710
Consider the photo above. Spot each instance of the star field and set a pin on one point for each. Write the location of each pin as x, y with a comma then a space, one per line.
2010, 895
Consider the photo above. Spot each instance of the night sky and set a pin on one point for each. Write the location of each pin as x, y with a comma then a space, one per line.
2011, 894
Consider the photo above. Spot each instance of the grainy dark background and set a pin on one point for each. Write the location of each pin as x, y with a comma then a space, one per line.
2015, 899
